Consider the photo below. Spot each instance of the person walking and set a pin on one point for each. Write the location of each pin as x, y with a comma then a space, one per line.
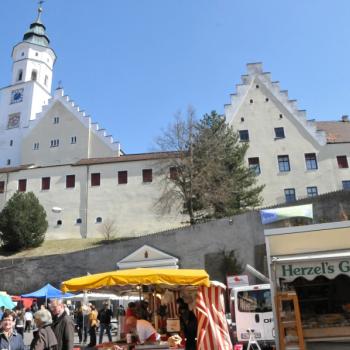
9, 338
62, 325
93, 323
82, 324
20, 322
44, 337
105, 317
28, 318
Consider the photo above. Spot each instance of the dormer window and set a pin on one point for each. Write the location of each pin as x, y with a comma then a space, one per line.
55, 143
34, 75
20, 75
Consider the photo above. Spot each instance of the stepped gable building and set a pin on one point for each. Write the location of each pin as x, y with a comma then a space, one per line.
88, 184
294, 157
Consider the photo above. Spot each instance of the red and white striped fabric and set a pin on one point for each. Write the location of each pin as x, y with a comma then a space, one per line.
212, 331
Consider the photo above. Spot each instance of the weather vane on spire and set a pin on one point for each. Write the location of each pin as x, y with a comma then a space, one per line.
40, 10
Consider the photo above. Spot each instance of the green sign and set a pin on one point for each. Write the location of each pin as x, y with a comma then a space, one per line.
310, 270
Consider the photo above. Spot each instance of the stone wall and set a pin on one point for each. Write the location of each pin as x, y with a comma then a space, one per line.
191, 245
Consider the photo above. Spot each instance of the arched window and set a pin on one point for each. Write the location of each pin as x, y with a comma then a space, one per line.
59, 222
98, 220
79, 221
46, 80
20, 75
34, 74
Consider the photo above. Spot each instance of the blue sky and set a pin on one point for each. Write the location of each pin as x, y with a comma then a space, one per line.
132, 64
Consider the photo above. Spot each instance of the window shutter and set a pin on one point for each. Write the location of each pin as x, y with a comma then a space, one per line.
22, 185
147, 175
122, 177
70, 181
2, 186
95, 179
45, 183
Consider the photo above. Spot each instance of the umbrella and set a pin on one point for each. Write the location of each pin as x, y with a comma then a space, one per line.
47, 292
6, 302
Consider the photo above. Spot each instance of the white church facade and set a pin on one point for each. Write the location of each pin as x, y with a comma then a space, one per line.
83, 179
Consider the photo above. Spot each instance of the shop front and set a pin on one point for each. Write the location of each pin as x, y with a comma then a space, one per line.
314, 263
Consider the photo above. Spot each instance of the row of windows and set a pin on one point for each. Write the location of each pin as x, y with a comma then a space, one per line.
78, 221
289, 193
54, 143
284, 163
34, 76
36, 54
312, 191
280, 117
95, 179
244, 134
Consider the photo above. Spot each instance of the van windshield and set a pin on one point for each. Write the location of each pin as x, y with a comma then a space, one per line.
254, 301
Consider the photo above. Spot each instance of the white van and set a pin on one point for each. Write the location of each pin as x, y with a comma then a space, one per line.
253, 310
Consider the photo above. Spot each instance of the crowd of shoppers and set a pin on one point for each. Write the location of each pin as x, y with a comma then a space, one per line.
54, 327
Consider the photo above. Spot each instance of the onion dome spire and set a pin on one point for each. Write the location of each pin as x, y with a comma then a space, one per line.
36, 33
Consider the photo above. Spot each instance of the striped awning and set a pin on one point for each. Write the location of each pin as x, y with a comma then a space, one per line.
213, 333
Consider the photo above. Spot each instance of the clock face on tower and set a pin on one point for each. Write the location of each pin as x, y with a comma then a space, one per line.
16, 96
13, 121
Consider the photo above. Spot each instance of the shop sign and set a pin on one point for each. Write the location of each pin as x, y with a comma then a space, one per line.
310, 270
237, 281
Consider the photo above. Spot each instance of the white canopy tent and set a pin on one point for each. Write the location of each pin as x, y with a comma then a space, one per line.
101, 296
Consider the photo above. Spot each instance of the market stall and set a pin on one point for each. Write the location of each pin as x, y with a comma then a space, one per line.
164, 286
314, 263
48, 292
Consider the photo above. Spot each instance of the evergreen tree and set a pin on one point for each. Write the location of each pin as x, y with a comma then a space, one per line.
224, 183
22, 222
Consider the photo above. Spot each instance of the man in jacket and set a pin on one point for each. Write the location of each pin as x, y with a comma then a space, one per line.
9, 338
62, 326
105, 316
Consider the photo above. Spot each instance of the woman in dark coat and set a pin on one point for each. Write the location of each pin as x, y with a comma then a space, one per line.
44, 337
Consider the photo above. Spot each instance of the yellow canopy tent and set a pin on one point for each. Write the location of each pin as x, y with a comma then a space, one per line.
181, 277
209, 303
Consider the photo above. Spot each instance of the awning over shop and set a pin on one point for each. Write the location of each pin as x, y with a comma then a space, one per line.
309, 266
138, 277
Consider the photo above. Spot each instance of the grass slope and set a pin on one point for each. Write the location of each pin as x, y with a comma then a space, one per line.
51, 247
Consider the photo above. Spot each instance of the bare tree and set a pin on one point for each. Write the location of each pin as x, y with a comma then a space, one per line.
178, 138
108, 229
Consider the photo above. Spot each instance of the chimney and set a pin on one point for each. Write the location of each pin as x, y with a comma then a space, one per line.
345, 118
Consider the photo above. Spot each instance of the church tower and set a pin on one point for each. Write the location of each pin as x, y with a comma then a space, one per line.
30, 89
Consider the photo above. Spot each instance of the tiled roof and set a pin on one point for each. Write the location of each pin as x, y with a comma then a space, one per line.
128, 158
337, 132
12, 169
